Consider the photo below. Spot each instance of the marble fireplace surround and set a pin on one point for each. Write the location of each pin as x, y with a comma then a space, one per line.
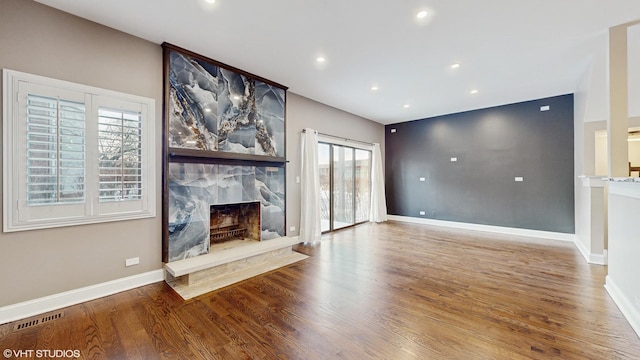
197, 267
195, 187
224, 143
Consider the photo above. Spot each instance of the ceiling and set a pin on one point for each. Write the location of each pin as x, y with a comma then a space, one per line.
508, 50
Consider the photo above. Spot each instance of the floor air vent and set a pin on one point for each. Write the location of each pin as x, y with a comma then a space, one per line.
25, 324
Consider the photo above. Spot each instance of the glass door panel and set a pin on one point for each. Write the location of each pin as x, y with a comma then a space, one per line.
324, 163
363, 184
343, 186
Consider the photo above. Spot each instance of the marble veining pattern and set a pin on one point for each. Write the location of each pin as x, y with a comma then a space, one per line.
269, 187
193, 103
193, 188
212, 108
270, 103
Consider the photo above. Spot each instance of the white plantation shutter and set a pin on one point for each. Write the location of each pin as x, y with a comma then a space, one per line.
120, 154
74, 154
55, 150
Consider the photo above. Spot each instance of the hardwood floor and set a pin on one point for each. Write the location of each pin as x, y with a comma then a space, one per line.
392, 291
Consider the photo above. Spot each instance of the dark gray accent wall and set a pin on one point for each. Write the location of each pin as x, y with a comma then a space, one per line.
492, 146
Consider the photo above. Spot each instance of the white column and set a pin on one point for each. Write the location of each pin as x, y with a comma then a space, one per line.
618, 123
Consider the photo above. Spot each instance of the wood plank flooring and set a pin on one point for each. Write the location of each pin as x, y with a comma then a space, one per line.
391, 291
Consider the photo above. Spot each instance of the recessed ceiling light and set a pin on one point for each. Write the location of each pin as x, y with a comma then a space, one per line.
320, 59
455, 66
406, 106
422, 14
210, 1
374, 88
474, 91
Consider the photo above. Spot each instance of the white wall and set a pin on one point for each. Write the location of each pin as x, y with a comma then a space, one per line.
624, 249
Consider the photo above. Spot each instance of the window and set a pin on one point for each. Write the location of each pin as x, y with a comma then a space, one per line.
120, 154
74, 154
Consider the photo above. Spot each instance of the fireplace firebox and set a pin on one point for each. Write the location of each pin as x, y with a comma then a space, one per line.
234, 221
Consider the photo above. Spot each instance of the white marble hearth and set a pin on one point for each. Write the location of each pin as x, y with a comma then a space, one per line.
229, 263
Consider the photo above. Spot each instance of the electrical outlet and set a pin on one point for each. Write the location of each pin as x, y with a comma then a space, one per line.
422, 212
132, 261
545, 108
454, 159
297, 179
393, 130
519, 179
293, 228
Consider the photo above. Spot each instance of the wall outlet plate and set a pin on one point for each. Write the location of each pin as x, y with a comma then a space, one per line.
422, 212
132, 261
545, 108
393, 130
293, 228
454, 159
519, 178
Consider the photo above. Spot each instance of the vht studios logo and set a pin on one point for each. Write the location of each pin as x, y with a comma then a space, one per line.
41, 354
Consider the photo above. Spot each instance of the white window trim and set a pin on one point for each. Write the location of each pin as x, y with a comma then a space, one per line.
14, 168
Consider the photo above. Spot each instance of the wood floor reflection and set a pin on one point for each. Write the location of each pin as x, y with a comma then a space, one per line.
391, 291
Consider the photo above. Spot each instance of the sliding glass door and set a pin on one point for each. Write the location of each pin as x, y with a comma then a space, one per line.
345, 185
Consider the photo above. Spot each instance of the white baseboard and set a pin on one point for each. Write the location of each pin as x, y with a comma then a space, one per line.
583, 249
631, 313
486, 228
592, 258
72, 297
598, 259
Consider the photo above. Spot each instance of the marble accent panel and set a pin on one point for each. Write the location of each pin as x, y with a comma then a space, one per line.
270, 103
193, 103
235, 184
237, 126
270, 190
216, 109
192, 189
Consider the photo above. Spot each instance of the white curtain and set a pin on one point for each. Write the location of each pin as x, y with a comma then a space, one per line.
310, 189
378, 212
